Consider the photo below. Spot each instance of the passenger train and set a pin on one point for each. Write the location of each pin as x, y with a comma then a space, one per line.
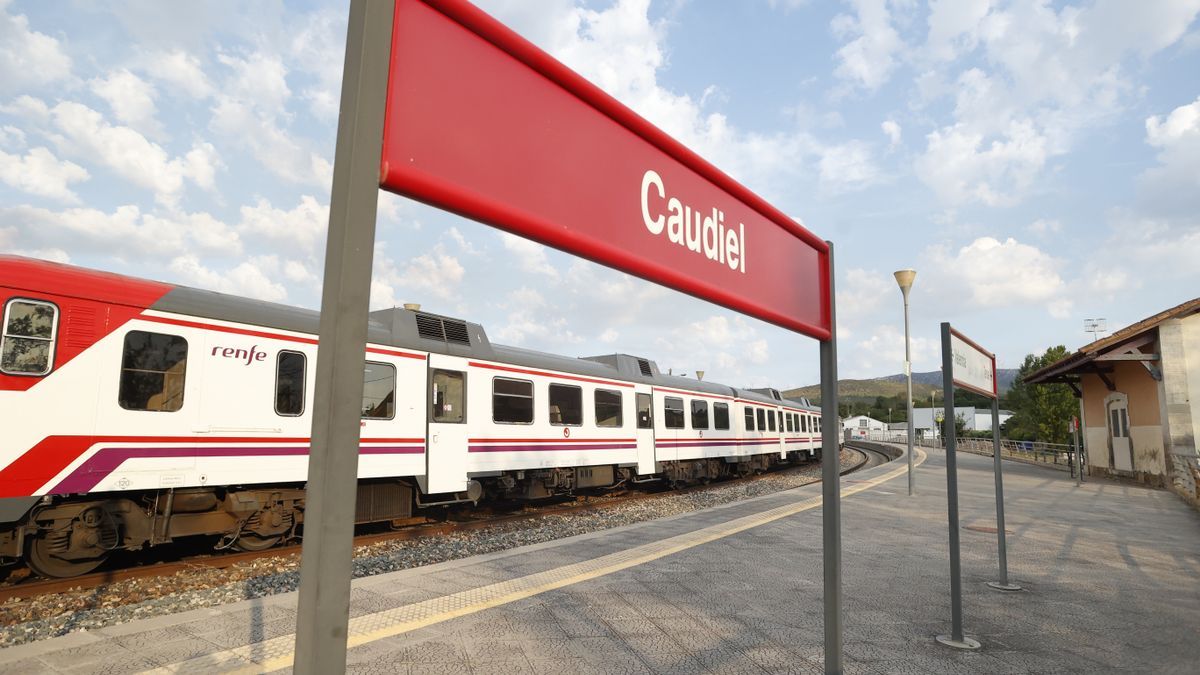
134, 413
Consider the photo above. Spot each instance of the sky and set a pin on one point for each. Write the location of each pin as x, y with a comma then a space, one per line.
1037, 163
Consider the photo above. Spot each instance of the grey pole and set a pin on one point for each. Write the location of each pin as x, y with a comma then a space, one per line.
1078, 456
831, 489
325, 563
1001, 541
908, 371
956, 638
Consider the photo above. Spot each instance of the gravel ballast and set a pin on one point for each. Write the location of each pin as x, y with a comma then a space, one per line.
38, 618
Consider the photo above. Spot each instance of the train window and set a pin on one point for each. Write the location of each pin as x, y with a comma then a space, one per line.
762, 419
27, 342
512, 401
153, 367
645, 411
448, 404
379, 391
750, 419
699, 414
791, 425
608, 408
673, 412
289, 383
721, 416
566, 405
771, 420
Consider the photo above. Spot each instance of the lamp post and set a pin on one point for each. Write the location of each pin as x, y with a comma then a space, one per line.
904, 278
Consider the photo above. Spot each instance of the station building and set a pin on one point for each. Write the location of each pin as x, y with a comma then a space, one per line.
862, 426
925, 420
1139, 392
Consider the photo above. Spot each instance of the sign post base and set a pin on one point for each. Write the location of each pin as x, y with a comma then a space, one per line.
965, 643
999, 586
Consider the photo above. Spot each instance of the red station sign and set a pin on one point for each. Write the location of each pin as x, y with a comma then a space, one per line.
481, 122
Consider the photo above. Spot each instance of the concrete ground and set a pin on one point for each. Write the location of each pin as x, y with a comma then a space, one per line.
1111, 577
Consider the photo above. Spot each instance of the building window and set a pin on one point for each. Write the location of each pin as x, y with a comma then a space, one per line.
673, 412
512, 401
862, 424
608, 408
645, 412
750, 419
379, 391
449, 397
721, 416
289, 384
566, 405
153, 368
27, 342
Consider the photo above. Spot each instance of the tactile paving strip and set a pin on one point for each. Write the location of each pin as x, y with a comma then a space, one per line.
278, 653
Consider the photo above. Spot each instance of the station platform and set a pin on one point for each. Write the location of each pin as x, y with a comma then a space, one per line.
1111, 577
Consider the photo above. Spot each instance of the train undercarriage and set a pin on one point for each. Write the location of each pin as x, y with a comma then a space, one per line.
61, 537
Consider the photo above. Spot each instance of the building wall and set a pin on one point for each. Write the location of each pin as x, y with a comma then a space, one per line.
1191, 348
1145, 419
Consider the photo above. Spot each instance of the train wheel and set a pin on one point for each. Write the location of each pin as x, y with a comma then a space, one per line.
251, 543
44, 563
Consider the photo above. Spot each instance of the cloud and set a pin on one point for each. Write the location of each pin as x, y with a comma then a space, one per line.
131, 99
846, 167
881, 351
892, 129
28, 59
299, 231
531, 322
251, 109
250, 279
181, 71
868, 59
434, 275
1173, 187
86, 134
721, 346
125, 232
530, 256
999, 274
1039, 76
40, 173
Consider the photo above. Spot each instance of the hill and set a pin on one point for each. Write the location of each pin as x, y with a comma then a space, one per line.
893, 385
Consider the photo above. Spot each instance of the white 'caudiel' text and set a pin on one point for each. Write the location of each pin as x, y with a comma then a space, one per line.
702, 233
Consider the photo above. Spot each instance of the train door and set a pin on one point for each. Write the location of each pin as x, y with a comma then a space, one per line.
446, 455
783, 434
644, 400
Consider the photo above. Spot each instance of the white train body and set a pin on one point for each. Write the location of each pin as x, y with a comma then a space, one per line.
113, 386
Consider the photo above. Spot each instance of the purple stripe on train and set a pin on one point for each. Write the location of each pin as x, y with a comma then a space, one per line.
705, 444
106, 460
542, 447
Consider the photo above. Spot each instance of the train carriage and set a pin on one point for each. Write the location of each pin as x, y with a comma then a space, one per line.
136, 412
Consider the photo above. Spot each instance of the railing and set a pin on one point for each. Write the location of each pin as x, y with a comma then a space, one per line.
1030, 451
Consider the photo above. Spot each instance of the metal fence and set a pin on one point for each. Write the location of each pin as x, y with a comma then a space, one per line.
1030, 451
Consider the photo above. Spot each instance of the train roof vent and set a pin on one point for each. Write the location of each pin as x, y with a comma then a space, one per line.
775, 395
430, 327
456, 331
644, 366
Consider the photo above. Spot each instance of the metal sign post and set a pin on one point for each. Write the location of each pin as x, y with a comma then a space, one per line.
956, 638
831, 491
1001, 542
327, 553
419, 72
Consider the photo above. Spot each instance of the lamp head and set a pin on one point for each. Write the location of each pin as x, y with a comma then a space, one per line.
905, 279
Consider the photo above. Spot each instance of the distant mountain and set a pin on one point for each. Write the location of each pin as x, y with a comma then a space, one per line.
894, 385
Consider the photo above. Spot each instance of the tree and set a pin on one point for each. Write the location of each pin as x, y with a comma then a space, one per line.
1040, 411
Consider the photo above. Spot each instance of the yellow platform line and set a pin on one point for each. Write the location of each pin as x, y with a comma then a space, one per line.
277, 653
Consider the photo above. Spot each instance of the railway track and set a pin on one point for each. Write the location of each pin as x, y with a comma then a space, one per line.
27, 586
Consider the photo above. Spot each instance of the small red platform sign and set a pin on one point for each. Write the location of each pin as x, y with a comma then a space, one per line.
482, 123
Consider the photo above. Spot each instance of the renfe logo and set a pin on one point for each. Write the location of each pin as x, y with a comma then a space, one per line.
234, 353
687, 227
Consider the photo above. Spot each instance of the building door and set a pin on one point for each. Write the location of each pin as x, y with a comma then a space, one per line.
1118, 432
645, 430
446, 457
